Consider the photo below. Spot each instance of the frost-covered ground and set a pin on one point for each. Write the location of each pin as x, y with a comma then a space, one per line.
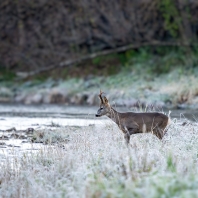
97, 163
129, 88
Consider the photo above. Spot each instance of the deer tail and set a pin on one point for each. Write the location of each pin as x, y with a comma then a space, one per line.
169, 118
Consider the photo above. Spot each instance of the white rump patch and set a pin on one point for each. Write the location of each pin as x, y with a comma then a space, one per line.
169, 121
144, 128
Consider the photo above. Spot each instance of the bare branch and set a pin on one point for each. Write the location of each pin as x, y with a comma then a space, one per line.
97, 54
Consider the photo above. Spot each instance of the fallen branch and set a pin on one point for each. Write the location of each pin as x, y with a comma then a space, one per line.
24, 75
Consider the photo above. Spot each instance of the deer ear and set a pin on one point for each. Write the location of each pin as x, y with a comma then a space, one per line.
100, 96
105, 100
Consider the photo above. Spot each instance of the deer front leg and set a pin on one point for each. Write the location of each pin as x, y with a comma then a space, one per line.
130, 131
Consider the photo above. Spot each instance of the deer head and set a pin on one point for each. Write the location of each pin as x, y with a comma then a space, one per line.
105, 107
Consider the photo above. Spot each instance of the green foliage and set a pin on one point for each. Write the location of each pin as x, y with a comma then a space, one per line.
161, 60
171, 16
125, 57
6, 75
97, 60
109, 64
170, 164
153, 60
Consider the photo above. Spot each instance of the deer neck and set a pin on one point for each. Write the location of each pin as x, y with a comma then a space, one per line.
114, 115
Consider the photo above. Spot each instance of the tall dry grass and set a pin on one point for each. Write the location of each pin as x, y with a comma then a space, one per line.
97, 163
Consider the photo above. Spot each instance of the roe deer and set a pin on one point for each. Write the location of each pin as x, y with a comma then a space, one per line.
132, 123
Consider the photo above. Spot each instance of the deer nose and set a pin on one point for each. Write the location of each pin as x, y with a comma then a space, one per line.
97, 115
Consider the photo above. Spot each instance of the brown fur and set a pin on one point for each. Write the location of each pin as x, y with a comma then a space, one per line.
132, 123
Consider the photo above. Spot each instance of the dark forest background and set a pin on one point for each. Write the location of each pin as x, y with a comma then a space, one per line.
37, 36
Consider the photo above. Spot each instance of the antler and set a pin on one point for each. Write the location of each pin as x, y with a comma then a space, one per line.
100, 96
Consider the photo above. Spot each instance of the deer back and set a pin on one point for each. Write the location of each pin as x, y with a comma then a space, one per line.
144, 121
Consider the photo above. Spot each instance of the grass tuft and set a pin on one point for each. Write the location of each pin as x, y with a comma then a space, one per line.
97, 163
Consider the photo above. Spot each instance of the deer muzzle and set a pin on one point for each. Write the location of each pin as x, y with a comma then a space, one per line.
97, 115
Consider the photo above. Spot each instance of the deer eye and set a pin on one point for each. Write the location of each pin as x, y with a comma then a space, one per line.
101, 108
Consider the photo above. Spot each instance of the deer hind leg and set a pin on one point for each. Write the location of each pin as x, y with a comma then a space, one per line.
127, 138
159, 133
